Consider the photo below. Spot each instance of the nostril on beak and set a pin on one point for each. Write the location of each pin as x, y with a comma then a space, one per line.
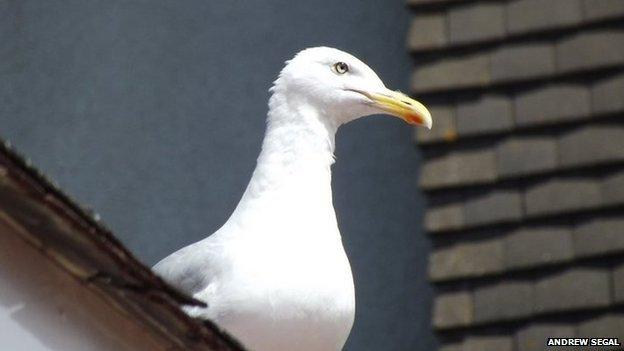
407, 103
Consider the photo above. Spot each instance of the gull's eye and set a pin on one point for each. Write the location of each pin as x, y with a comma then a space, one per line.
341, 67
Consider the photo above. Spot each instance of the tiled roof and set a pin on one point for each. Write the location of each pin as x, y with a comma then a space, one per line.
524, 168
86, 250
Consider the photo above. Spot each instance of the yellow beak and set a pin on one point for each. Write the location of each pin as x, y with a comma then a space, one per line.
400, 105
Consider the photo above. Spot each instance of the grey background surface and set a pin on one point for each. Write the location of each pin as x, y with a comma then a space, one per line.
152, 113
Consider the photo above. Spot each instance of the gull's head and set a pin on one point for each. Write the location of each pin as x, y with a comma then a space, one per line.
338, 83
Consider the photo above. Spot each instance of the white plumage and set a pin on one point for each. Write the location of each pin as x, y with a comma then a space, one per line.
275, 275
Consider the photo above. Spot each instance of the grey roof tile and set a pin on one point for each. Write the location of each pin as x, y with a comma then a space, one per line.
446, 217
453, 310
562, 195
505, 300
569, 290
522, 62
489, 113
476, 22
618, 283
601, 9
428, 32
456, 72
607, 96
552, 104
494, 207
599, 236
591, 145
590, 50
526, 155
534, 15
613, 189
465, 167
467, 259
531, 247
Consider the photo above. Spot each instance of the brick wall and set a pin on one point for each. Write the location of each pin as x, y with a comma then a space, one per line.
524, 168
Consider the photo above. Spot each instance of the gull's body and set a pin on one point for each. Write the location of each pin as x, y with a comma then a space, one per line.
275, 275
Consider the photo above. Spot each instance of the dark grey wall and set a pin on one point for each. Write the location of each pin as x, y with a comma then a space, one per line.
152, 112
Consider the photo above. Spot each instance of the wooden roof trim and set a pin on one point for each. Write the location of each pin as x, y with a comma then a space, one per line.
74, 239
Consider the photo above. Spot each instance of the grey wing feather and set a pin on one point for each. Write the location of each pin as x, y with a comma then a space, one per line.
188, 269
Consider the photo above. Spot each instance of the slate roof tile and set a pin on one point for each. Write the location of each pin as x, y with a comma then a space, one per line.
607, 94
453, 310
552, 104
618, 283
518, 156
590, 50
562, 195
601, 9
447, 217
428, 32
494, 207
592, 144
506, 300
575, 289
457, 72
599, 236
459, 168
613, 189
476, 22
467, 259
489, 113
534, 15
523, 62
532, 247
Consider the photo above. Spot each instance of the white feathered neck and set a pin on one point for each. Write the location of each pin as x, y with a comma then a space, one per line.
292, 179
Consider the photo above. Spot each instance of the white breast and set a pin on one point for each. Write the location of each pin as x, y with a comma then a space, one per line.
297, 297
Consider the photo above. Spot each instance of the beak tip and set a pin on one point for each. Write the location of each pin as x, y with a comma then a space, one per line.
427, 121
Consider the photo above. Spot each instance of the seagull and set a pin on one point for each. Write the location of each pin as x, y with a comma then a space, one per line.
276, 275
